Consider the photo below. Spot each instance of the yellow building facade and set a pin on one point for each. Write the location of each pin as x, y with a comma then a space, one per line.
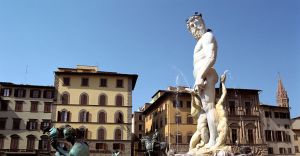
98, 104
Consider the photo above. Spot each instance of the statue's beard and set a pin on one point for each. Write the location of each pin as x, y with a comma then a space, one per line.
196, 33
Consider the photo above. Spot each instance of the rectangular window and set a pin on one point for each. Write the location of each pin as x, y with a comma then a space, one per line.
234, 136
287, 126
289, 151
103, 82
16, 124
282, 150
34, 106
278, 136
268, 135
101, 146
4, 105
140, 127
248, 108
66, 81
276, 114
119, 83
32, 124
48, 94
296, 149
250, 136
295, 137
178, 139
270, 150
140, 117
45, 124
84, 82
2, 123
19, 106
189, 120
20, 93
5, 92
1, 142
188, 104
47, 107
178, 119
35, 93
232, 108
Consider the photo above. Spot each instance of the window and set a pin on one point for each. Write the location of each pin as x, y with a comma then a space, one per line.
119, 83
248, 108
118, 134
188, 104
101, 134
44, 143
118, 146
32, 124
268, 135
177, 103
250, 136
140, 117
102, 117
140, 136
102, 100
66, 81
84, 82
47, 107
35, 93
289, 150
268, 114
2, 123
83, 99
5, 92
278, 136
48, 94
233, 136
295, 137
119, 100
189, 119
189, 137
34, 106
178, 119
296, 149
16, 124
231, 107
84, 116
178, 138
101, 146
287, 126
276, 114
119, 117
65, 98
4, 105
20, 93
30, 142
270, 150
140, 127
1, 141
82, 133
103, 82
63, 116
45, 123
282, 150
19, 106
14, 143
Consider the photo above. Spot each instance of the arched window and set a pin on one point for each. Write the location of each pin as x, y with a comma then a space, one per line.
14, 143
44, 143
30, 142
119, 100
63, 116
119, 117
189, 137
102, 117
102, 100
118, 134
82, 133
101, 134
83, 99
65, 98
83, 116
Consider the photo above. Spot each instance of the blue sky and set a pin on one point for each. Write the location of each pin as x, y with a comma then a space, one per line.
257, 39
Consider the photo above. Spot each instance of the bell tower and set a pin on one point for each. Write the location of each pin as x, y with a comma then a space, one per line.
282, 97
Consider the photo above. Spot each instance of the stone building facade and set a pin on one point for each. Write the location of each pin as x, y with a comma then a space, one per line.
170, 114
98, 104
296, 135
25, 110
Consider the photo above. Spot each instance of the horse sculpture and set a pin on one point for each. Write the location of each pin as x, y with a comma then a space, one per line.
154, 147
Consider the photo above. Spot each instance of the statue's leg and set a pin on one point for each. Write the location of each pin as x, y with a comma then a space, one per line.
200, 137
208, 101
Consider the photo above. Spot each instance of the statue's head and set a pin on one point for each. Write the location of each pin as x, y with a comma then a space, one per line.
69, 133
196, 26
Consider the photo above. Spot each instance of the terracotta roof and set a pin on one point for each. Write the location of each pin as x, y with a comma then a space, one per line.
9, 84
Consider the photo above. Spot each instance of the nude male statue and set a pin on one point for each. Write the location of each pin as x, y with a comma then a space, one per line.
205, 54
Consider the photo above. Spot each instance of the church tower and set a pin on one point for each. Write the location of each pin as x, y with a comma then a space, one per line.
282, 97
